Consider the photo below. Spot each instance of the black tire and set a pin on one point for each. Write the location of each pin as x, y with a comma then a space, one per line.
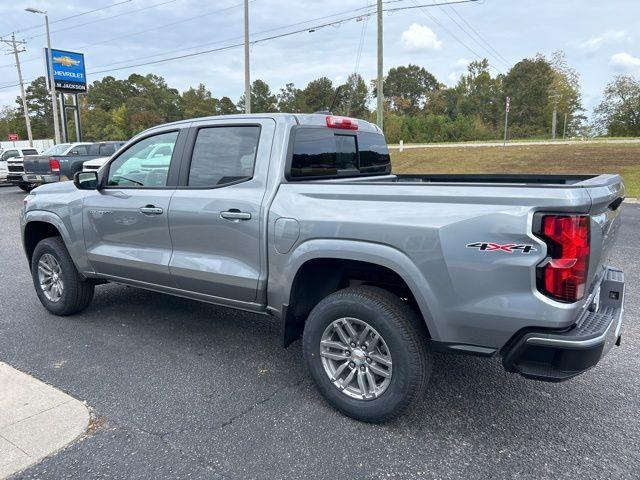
77, 293
405, 335
26, 187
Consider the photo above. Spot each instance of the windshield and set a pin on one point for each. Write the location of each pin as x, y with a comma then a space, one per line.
57, 149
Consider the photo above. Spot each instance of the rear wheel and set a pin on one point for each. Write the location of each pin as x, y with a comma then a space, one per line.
367, 352
58, 285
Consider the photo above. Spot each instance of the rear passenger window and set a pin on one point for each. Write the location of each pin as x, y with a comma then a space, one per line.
108, 149
223, 155
374, 154
321, 152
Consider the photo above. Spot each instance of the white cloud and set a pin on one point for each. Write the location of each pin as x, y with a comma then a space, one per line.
624, 61
419, 38
462, 63
457, 70
608, 37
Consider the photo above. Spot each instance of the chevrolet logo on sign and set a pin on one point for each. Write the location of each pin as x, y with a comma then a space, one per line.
66, 61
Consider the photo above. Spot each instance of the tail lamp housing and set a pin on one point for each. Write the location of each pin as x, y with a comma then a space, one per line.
54, 165
563, 274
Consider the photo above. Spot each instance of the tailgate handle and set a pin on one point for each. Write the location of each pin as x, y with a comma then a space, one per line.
616, 203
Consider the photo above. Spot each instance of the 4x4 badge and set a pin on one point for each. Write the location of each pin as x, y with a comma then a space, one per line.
496, 247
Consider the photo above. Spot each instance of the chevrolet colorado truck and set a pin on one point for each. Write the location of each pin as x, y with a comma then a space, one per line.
300, 217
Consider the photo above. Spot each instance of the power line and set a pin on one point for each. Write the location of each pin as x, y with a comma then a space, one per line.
473, 38
309, 29
128, 12
158, 27
455, 37
140, 32
217, 42
480, 36
237, 37
272, 37
363, 33
33, 27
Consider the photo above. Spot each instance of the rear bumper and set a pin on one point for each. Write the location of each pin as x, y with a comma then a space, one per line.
32, 179
555, 356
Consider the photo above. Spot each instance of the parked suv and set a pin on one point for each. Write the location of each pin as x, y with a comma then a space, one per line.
299, 217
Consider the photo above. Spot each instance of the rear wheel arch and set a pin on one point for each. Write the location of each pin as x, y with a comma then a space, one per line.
319, 277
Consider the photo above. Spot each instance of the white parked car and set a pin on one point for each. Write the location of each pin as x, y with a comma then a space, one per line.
94, 164
11, 159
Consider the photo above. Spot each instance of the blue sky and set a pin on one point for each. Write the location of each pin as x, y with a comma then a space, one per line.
600, 39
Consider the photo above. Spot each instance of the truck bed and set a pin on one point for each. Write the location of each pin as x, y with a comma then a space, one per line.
537, 179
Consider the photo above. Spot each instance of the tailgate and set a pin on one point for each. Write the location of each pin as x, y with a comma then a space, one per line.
37, 164
607, 194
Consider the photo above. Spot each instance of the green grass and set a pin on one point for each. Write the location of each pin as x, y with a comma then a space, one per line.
621, 158
542, 139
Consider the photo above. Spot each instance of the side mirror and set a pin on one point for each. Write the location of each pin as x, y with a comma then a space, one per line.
86, 180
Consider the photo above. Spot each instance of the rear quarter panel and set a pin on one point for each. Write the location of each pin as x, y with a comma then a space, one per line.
465, 295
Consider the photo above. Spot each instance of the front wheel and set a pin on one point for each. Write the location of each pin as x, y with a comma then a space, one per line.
58, 285
27, 187
367, 352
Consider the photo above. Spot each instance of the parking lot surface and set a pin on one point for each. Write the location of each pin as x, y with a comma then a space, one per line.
188, 390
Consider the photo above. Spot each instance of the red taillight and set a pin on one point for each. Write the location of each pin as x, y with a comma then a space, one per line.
342, 122
54, 165
564, 276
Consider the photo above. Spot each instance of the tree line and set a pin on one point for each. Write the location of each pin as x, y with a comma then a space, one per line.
418, 107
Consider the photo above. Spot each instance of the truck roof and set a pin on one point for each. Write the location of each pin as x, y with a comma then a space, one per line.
318, 119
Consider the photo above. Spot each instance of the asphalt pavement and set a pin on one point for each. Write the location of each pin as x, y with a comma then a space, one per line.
181, 389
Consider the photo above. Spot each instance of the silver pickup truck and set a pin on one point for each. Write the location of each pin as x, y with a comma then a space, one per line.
299, 217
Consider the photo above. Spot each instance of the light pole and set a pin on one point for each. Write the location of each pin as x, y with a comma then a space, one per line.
380, 79
247, 78
52, 87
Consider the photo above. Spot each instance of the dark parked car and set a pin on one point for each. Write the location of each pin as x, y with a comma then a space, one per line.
53, 166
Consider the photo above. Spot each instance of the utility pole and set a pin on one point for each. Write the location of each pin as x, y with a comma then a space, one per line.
564, 128
52, 86
380, 117
247, 78
506, 119
14, 49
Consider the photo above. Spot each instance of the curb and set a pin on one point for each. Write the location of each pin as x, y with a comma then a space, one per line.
632, 200
36, 420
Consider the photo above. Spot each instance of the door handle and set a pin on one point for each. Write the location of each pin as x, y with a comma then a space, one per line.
151, 210
235, 215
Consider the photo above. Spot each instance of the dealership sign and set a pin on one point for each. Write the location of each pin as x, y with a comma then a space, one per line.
68, 71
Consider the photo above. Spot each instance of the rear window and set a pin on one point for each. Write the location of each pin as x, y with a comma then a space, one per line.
57, 149
29, 151
321, 152
105, 149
